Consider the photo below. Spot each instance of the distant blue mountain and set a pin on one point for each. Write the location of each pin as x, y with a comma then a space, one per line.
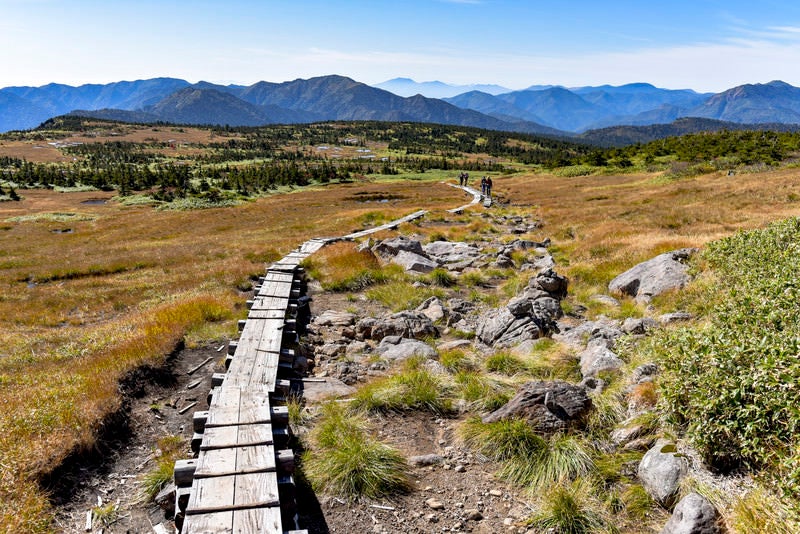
553, 110
408, 87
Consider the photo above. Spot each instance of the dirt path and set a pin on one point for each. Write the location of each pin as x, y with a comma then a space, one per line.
113, 472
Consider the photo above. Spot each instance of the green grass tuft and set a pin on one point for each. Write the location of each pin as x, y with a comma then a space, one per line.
412, 388
345, 460
570, 509
505, 363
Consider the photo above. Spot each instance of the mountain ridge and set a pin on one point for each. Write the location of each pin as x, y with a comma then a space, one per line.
549, 110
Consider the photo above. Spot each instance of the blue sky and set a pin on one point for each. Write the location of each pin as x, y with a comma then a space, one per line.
706, 45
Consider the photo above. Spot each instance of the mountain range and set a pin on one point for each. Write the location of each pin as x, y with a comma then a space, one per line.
551, 110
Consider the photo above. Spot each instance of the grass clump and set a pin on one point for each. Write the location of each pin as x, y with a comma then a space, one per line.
528, 459
170, 449
105, 515
505, 363
412, 388
761, 510
571, 509
341, 267
456, 360
344, 459
479, 391
402, 295
441, 277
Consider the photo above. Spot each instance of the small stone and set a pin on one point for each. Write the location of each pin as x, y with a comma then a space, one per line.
447, 467
495, 493
428, 488
473, 515
431, 518
434, 504
508, 521
460, 468
459, 505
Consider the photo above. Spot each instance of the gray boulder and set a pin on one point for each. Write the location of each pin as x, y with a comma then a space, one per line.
433, 309
638, 326
694, 514
411, 261
391, 247
596, 359
410, 324
674, 317
501, 328
503, 262
394, 349
604, 332
661, 470
551, 282
447, 252
644, 373
549, 406
334, 318
653, 277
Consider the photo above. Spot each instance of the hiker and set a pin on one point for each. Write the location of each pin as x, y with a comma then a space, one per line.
483, 185
489, 186
466, 179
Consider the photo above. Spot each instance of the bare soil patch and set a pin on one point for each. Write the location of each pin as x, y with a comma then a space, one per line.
113, 471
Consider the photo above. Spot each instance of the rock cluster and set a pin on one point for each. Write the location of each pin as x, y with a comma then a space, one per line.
371, 344
530, 315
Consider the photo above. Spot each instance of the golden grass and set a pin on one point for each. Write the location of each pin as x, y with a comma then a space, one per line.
603, 225
78, 310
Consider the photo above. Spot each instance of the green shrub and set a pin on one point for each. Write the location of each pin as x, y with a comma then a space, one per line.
727, 382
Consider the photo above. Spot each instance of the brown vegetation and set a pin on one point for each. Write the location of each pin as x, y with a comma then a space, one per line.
90, 295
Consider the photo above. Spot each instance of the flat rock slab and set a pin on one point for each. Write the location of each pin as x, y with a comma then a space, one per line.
330, 388
653, 277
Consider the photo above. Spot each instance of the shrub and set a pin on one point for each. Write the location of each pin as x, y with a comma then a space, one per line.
725, 382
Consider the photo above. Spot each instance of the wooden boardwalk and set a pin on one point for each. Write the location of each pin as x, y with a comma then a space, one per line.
477, 196
241, 480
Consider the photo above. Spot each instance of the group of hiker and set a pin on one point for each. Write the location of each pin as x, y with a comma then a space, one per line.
486, 183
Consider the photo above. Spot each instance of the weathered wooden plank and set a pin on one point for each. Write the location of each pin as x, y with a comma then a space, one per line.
216, 523
244, 415
234, 492
279, 276
262, 372
240, 435
234, 461
262, 520
211, 493
256, 520
261, 313
270, 303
